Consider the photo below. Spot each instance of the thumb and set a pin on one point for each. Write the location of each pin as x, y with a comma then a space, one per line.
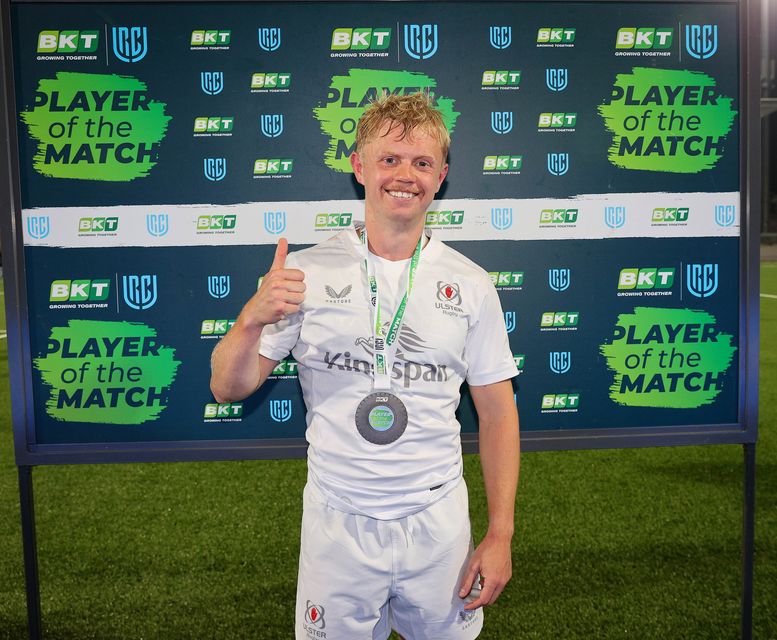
281, 251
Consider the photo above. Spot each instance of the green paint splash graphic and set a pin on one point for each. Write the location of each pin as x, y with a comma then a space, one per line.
349, 95
674, 358
106, 372
95, 127
667, 120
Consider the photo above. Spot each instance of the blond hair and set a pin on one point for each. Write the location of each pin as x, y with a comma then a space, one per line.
409, 112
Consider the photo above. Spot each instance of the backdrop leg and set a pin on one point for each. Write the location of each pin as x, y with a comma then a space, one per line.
30, 552
748, 540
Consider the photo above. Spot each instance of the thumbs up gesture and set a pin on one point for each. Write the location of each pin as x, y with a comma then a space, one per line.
281, 293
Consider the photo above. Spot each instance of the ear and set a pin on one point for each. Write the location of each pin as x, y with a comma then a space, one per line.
358, 168
443, 173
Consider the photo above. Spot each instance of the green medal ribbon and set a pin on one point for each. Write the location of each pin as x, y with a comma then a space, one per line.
382, 343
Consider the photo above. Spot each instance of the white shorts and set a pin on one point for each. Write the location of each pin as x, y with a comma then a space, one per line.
360, 577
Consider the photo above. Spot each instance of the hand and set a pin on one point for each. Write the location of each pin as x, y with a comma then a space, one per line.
281, 293
493, 560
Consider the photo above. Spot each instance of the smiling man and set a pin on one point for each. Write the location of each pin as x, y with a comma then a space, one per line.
386, 322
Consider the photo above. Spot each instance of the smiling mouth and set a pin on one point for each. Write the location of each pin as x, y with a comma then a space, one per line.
405, 195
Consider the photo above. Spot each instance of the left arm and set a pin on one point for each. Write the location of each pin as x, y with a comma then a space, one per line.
500, 460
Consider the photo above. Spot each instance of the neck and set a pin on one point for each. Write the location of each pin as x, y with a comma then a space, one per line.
393, 244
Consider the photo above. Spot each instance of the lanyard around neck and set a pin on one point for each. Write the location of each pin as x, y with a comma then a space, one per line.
383, 342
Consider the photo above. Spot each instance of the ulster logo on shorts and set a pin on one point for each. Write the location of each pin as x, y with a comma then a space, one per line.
314, 616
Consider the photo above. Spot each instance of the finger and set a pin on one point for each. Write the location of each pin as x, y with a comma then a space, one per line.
293, 298
281, 251
292, 274
295, 286
487, 596
468, 580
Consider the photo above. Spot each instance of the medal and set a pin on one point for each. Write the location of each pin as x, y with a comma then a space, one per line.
381, 418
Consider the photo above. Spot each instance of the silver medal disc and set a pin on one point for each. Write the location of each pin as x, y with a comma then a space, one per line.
381, 418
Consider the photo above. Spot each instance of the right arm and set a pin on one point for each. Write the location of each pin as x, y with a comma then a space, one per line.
237, 369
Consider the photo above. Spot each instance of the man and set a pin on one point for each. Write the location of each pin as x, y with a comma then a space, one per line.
386, 323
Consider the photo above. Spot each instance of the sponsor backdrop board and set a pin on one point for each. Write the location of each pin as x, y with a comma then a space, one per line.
161, 150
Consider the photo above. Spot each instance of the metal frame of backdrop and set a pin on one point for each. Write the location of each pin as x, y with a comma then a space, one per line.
30, 453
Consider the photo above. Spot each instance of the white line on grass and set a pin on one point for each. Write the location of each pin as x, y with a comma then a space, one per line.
768, 295
3, 335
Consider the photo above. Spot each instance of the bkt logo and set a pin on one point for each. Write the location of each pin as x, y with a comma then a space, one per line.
68, 41
510, 321
701, 40
725, 214
421, 40
212, 82
701, 279
558, 216
79, 290
98, 225
215, 169
444, 218
559, 319
649, 278
644, 38
561, 401
217, 222
670, 214
157, 224
560, 361
216, 327
270, 81
38, 227
210, 38
333, 220
218, 286
501, 122
377, 39
273, 166
520, 361
501, 218
558, 163
275, 222
130, 44
502, 163
615, 216
214, 124
269, 38
223, 410
557, 120
280, 410
500, 37
506, 279
556, 35
556, 79
140, 292
285, 368
271, 124
559, 279
501, 78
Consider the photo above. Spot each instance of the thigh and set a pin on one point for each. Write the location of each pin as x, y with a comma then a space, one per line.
426, 605
344, 575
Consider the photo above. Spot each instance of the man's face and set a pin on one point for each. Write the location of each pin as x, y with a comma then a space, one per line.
400, 177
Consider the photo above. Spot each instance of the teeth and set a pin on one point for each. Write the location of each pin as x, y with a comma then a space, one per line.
401, 194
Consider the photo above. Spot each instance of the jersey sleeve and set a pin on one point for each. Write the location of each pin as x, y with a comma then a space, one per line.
278, 339
487, 348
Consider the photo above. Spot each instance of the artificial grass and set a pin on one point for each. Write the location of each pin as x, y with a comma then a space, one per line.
636, 543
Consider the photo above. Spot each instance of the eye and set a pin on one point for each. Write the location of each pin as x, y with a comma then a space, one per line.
424, 164
390, 160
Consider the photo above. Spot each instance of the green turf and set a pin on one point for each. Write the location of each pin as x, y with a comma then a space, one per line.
610, 544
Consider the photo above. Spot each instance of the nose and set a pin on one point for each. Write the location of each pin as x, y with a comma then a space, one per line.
404, 172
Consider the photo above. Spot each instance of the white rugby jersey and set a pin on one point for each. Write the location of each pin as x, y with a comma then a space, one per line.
453, 330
